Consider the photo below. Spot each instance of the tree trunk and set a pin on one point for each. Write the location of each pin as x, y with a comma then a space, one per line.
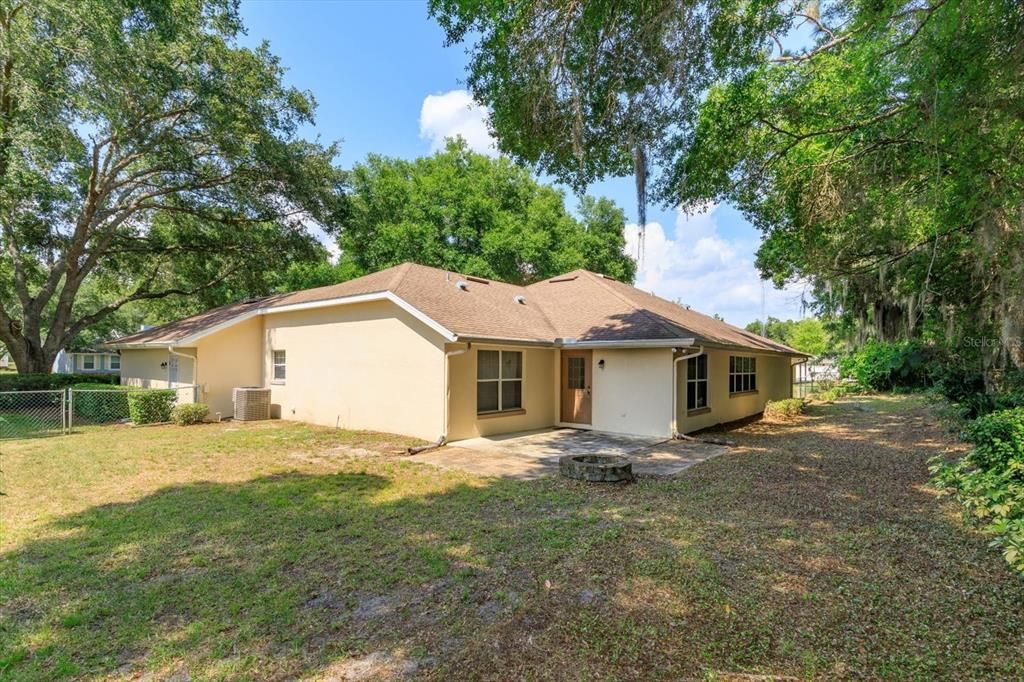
30, 358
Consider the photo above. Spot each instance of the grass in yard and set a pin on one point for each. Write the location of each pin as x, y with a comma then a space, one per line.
27, 425
814, 549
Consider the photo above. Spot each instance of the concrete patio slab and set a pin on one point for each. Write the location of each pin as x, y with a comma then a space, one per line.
534, 454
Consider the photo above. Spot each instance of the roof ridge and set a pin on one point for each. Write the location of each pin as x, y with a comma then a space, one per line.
400, 272
542, 311
672, 329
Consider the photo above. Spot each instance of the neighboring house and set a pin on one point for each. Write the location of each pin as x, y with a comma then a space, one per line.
88, 361
428, 353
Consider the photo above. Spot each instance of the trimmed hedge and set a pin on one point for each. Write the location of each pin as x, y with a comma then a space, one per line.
151, 406
51, 382
784, 409
101, 403
189, 413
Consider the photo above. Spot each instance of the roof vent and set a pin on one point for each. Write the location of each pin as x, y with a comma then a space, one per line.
521, 300
462, 284
567, 278
479, 280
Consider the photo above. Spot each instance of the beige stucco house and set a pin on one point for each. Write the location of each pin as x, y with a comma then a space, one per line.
430, 353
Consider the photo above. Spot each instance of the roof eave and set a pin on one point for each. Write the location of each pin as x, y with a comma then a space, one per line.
191, 339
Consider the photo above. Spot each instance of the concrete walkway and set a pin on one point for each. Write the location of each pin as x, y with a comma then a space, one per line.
534, 454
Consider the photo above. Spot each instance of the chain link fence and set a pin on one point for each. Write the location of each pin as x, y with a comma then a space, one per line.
31, 413
36, 413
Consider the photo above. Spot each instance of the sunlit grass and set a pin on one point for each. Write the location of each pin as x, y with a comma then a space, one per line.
281, 550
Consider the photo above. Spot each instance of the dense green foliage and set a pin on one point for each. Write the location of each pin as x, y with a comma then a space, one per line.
586, 90
151, 406
50, 382
784, 409
189, 414
989, 481
473, 214
886, 366
100, 403
883, 167
808, 335
144, 154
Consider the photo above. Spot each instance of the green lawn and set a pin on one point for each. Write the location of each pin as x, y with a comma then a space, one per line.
271, 551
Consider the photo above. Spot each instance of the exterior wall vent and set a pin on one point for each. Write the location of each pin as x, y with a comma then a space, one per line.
462, 284
252, 403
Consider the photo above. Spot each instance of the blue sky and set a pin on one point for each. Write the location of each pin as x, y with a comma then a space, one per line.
384, 82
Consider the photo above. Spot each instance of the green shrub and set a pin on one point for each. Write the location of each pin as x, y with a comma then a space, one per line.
100, 403
50, 382
784, 409
189, 413
830, 395
151, 406
989, 480
833, 391
887, 366
998, 439
42, 382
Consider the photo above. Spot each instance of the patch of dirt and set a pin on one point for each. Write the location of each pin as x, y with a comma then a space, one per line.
375, 665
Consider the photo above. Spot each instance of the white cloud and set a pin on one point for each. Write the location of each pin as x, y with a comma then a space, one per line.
455, 114
699, 267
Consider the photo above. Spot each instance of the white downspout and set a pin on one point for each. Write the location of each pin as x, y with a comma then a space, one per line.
447, 387
675, 387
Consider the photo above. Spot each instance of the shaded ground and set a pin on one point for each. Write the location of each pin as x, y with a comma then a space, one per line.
530, 455
284, 551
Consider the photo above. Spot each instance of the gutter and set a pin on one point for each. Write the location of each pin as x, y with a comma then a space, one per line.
675, 388
638, 343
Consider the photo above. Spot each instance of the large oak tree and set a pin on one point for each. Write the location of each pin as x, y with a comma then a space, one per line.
143, 153
468, 212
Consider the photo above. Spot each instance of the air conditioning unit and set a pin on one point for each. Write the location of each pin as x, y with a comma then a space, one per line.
252, 403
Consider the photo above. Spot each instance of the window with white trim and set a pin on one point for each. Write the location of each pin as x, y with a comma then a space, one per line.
697, 383
115, 362
279, 366
499, 381
89, 361
742, 374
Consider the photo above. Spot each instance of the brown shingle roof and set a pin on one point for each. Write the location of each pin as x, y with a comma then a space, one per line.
579, 305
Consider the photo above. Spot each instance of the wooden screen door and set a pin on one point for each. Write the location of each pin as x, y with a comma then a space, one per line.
576, 383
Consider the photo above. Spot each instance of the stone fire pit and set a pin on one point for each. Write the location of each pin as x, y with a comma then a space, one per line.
596, 468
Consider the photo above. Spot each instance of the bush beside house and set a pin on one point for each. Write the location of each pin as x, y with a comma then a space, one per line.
100, 403
151, 406
189, 414
784, 409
